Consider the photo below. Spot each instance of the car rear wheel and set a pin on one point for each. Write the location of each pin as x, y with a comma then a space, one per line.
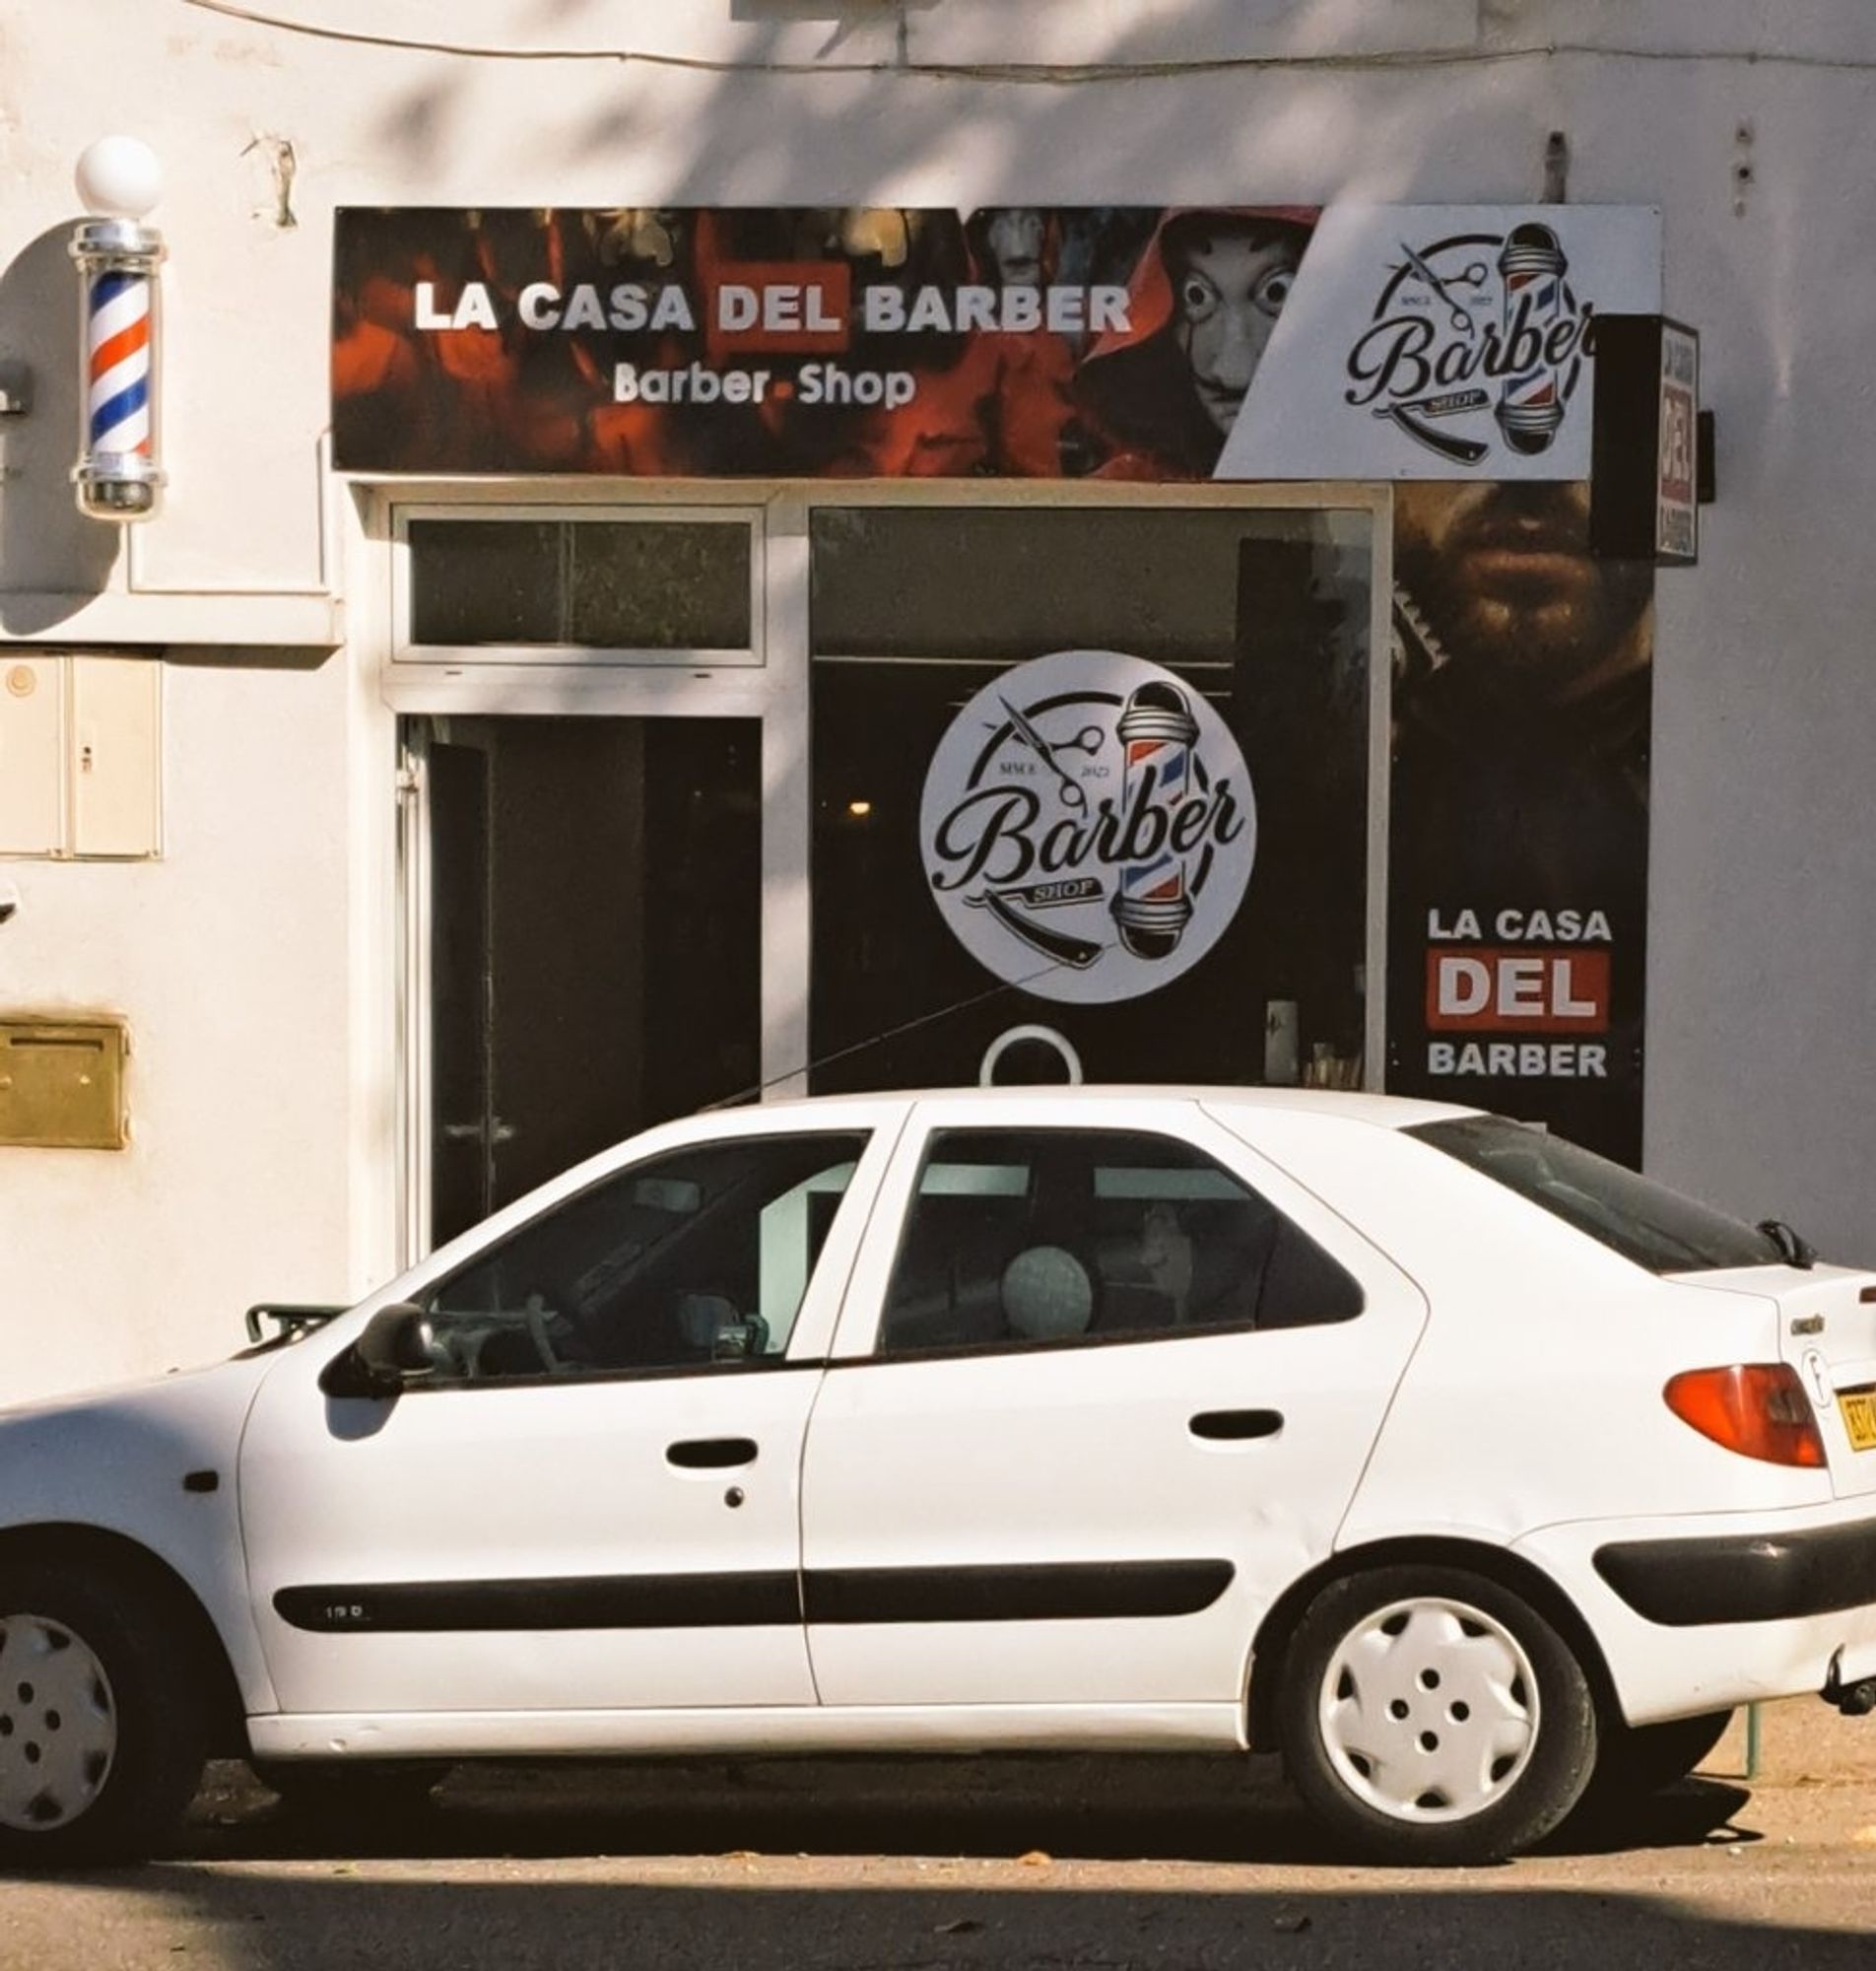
101, 1737
1430, 1716
1635, 1761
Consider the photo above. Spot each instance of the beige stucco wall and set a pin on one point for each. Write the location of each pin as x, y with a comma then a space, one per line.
254, 961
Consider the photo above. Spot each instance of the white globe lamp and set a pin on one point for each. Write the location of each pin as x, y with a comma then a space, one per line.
118, 177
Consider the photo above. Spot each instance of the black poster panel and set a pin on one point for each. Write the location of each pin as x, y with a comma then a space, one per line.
1517, 929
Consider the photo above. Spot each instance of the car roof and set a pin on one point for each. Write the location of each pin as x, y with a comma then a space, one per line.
1388, 1111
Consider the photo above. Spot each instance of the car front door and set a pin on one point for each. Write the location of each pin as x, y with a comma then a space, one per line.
1099, 1395
591, 1505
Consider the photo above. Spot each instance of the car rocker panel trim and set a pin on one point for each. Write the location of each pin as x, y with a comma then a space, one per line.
1097, 1591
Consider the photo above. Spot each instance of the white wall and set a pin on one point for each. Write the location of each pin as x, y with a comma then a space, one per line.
252, 961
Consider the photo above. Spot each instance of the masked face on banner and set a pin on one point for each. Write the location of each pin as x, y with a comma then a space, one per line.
1231, 282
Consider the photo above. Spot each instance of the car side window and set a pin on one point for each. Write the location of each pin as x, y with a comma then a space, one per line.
1020, 1238
699, 1257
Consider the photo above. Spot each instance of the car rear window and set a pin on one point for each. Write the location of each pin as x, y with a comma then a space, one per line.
1632, 1216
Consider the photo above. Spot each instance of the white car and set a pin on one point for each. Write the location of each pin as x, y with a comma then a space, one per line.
1464, 1468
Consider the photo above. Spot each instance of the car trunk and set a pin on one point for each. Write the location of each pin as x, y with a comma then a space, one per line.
1826, 1331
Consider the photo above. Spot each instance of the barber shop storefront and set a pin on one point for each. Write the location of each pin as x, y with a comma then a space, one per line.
854, 648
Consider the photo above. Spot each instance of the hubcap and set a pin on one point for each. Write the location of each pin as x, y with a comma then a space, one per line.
59, 1725
1428, 1709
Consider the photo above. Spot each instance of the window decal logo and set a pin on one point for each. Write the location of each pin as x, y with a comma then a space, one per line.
1476, 329
1087, 826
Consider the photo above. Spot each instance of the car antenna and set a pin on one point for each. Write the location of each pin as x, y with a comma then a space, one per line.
761, 1088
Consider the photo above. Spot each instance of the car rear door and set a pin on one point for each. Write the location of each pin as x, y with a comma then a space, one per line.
1005, 1501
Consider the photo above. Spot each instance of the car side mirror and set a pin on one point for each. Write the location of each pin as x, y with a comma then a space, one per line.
742, 1340
393, 1349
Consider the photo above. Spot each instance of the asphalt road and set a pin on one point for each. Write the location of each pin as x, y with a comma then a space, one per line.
1049, 1865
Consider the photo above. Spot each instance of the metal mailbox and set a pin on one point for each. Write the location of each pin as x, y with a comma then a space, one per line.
62, 1083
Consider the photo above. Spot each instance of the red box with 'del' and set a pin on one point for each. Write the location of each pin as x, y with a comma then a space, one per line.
1516, 990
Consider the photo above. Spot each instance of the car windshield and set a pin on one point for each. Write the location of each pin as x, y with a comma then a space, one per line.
1632, 1216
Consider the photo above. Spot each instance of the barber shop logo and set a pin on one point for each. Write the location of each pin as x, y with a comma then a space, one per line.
1088, 827
1474, 335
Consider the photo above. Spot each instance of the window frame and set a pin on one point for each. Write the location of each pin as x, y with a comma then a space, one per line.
1452, 1137
775, 690
410, 657
815, 1313
1183, 1121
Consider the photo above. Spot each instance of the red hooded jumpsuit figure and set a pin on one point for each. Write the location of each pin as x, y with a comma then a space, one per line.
1164, 392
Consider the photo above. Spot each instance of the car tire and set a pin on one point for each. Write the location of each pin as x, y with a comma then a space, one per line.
103, 1718
1636, 1761
357, 1789
1429, 1716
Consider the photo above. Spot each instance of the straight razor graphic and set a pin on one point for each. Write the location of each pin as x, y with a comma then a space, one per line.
1448, 444
1064, 947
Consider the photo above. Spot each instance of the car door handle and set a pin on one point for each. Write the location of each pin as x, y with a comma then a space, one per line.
711, 1453
1234, 1427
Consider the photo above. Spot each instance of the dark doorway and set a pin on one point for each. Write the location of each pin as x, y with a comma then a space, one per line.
595, 940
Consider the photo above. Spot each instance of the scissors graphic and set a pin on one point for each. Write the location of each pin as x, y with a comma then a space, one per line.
1472, 277
1086, 740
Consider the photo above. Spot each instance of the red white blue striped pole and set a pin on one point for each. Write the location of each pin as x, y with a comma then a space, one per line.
119, 475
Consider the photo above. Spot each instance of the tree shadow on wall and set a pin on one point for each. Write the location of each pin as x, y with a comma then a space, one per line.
52, 559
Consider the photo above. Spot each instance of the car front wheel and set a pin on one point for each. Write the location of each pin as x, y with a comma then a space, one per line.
102, 1738
1430, 1716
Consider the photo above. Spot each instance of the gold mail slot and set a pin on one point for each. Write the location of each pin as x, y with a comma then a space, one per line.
62, 1084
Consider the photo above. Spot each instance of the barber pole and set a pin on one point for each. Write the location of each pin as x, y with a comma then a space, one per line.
117, 474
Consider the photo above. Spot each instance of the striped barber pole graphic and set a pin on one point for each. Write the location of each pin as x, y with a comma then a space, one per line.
1157, 732
1532, 265
117, 350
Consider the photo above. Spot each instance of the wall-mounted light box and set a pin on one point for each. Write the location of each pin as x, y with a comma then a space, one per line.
81, 748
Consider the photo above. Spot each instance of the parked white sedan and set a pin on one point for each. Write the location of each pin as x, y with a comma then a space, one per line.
1466, 1469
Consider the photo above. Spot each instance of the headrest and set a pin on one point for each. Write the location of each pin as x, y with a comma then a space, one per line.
1047, 1295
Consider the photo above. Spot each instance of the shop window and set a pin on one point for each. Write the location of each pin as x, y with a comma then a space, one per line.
995, 585
1260, 617
521, 587
1019, 1239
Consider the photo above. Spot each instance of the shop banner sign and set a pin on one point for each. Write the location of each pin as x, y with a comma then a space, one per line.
1088, 827
1235, 341
1445, 342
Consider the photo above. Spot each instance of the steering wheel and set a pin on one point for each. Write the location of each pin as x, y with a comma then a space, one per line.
536, 1309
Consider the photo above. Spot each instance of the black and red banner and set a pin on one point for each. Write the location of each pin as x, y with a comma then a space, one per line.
1018, 341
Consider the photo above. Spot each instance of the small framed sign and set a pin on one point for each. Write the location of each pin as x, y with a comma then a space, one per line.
1677, 446
1645, 471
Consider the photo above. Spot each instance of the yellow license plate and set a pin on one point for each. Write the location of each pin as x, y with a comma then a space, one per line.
1859, 1417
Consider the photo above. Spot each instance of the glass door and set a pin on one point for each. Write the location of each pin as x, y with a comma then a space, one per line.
594, 940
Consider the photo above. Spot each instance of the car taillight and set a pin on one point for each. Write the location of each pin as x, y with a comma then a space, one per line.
1757, 1408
